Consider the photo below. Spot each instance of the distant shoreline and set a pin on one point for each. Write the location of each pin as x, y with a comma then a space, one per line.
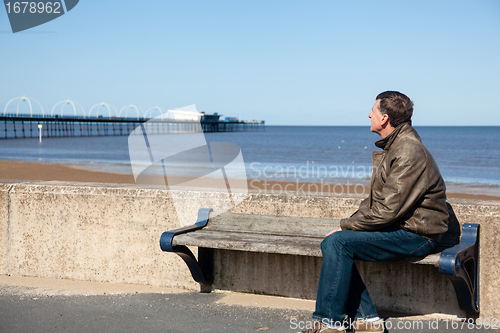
14, 170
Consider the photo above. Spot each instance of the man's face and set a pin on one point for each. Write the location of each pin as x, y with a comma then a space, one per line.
376, 118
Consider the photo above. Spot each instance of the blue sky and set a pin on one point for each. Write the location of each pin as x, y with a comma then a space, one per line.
287, 62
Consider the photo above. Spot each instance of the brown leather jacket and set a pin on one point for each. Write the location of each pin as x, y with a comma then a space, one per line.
406, 188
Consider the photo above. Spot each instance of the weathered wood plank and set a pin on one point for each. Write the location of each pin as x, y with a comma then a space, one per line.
297, 245
290, 244
272, 225
431, 259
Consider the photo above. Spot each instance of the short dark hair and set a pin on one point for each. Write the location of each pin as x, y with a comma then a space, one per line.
396, 105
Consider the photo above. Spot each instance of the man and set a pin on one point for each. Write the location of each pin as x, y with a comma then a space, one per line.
404, 215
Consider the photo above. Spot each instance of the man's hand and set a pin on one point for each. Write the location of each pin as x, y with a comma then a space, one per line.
331, 232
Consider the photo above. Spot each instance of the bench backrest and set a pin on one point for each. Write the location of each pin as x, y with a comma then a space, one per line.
271, 225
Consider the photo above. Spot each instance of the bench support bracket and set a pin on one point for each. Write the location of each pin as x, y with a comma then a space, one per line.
201, 269
460, 263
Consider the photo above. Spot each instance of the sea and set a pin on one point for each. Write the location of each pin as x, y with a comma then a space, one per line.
468, 157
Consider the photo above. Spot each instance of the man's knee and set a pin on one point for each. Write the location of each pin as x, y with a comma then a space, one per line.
334, 239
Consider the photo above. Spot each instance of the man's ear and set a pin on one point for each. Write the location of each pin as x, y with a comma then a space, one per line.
384, 121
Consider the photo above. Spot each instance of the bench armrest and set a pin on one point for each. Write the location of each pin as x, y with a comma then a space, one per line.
461, 263
168, 236
201, 269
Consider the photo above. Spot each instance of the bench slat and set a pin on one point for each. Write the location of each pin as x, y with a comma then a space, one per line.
296, 245
431, 259
272, 225
252, 242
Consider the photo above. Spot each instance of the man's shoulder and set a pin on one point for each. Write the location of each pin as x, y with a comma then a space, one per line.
410, 142
409, 147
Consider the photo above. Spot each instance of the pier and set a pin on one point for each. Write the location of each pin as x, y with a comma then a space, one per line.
14, 126
98, 122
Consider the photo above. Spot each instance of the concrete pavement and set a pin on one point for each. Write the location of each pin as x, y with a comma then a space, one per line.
51, 305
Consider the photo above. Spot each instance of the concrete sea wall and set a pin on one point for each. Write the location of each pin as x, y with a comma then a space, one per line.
110, 233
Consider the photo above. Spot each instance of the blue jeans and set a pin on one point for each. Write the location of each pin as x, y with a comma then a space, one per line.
341, 291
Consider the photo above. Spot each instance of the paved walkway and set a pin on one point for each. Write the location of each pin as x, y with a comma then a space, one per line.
46, 305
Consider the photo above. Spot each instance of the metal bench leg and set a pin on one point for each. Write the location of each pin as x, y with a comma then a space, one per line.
461, 263
202, 270
206, 262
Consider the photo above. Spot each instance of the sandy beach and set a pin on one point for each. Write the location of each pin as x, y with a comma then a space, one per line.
13, 170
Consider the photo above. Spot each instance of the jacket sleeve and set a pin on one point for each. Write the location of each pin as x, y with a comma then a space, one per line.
403, 187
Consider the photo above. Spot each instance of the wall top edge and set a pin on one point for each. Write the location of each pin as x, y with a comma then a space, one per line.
31, 186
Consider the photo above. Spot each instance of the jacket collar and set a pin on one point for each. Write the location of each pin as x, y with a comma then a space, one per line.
386, 142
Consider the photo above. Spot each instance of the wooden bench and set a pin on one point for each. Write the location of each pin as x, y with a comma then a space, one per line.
303, 236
